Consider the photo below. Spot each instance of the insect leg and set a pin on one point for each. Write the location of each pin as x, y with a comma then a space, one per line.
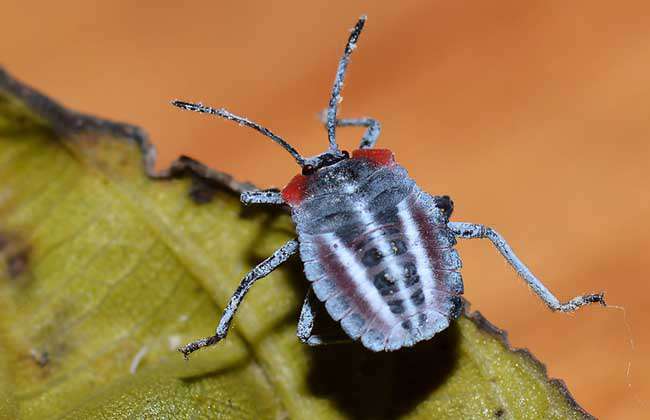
271, 196
306, 325
260, 271
470, 230
370, 136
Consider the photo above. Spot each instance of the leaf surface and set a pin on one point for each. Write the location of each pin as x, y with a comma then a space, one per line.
107, 266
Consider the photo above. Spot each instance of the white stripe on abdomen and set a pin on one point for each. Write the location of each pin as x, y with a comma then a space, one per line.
414, 239
390, 261
358, 274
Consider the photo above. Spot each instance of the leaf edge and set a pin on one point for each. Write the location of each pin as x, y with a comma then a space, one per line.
69, 122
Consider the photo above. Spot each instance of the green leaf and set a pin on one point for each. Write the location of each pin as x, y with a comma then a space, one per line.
106, 267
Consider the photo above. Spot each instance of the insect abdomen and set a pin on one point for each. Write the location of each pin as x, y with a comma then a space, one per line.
382, 261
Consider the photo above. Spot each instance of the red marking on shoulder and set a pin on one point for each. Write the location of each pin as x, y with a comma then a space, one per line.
294, 192
378, 156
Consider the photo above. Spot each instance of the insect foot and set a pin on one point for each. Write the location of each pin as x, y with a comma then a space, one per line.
580, 301
198, 344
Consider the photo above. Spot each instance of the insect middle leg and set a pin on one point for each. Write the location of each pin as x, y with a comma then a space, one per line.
260, 271
306, 325
471, 230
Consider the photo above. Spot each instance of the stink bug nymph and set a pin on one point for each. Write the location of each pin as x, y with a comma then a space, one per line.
377, 250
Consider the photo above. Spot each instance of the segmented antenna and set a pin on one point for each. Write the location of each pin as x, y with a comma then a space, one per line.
338, 82
220, 112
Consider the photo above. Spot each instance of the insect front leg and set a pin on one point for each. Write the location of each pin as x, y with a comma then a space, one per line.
306, 325
261, 270
470, 230
270, 196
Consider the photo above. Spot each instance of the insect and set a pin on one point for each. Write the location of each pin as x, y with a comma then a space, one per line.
377, 250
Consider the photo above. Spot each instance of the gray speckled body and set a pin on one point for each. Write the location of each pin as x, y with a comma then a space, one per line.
378, 252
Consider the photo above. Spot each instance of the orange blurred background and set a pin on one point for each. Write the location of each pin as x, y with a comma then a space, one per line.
534, 116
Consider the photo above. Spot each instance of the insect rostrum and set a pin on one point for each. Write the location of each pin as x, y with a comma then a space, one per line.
376, 249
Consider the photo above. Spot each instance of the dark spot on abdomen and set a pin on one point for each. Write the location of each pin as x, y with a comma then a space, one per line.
372, 257
418, 297
410, 274
457, 307
396, 306
384, 283
398, 246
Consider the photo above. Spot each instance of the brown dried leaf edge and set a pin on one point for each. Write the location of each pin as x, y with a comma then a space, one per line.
68, 122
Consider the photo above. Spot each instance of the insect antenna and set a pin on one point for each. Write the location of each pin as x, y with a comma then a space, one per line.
220, 112
338, 82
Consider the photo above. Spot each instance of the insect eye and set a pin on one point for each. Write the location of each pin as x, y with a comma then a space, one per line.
308, 169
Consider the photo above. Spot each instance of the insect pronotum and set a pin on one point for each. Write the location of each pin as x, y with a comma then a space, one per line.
376, 249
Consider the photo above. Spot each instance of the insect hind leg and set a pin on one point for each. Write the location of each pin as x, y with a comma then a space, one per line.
306, 325
260, 271
471, 230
